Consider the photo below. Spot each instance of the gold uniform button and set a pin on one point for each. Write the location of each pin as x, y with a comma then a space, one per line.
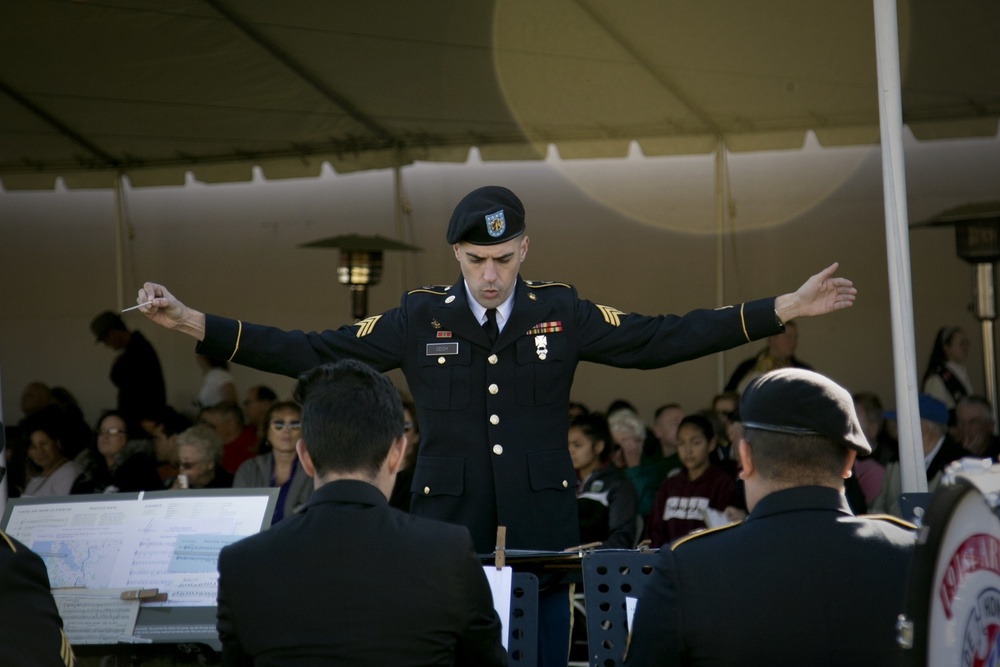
440, 360
494, 420
494, 389
492, 358
565, 484
498, 449
427, 490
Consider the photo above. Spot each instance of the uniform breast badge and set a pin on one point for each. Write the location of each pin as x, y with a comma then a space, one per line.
542, 347
435, 324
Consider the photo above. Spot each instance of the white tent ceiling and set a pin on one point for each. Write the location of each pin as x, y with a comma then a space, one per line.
155, 88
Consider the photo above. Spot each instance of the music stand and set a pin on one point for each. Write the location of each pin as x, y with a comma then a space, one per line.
609, 576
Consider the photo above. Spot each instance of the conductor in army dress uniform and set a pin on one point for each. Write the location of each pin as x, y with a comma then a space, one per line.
815, 584
490, 360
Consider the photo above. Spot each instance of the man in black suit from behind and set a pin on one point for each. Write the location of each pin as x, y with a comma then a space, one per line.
349, 580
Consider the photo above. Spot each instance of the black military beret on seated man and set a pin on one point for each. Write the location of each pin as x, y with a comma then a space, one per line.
817, 585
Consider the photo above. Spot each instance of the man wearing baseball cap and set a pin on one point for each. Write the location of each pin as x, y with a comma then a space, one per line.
802, 580
939, 448
490, 361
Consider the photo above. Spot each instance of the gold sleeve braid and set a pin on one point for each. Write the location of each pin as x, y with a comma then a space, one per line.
744, 323
239, 334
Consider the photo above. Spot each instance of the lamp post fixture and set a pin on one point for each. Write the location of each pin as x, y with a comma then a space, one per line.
977, 241
360, 264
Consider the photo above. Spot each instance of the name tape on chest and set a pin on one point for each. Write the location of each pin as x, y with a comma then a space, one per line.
442, 349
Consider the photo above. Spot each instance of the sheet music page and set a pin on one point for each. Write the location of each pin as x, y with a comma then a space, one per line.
96, 616
168, 543
501, 585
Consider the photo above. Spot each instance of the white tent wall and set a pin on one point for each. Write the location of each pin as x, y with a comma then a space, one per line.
232, 249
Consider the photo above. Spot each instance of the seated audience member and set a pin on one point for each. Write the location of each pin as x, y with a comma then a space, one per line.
31, 632
605, 498
164, 431
724, 406
114, 462
779, 353
666, 419
331, 568
51, 449
34, 397
217, 386
199, 453
974, 427
255, 404
868, 470
239, 442
401, 492
938, 448
686, 501
279, 467
871, 414
801, 563
576, 409
628, 431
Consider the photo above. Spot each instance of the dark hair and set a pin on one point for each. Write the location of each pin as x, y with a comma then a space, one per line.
938, 356
226, 409
870, 404
111, 413
173, 422
663, 408
797, 460
264, 446
700, 422
595, 427
50, 421
264, 393
351, 414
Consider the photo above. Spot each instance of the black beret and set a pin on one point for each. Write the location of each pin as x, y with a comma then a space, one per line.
487, 216
801, 402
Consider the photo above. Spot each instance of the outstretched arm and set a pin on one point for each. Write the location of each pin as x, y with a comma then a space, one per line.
164, 309
822, 293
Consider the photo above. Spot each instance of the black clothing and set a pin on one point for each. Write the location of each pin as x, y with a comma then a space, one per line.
816, 584
350, 581
137, 374
493, 417
31, 630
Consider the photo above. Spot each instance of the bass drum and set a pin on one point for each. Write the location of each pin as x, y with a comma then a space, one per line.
953, 601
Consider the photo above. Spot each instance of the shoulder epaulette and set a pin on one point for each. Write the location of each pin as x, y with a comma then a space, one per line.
701, 533
891, 519
440, 290
7, 541
536, 284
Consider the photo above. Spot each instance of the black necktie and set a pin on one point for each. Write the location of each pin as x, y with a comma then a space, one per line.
490, 326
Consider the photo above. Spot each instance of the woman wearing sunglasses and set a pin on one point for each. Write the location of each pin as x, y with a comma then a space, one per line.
278, 466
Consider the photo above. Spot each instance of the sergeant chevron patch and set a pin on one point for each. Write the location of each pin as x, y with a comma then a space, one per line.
365, 326
610, 314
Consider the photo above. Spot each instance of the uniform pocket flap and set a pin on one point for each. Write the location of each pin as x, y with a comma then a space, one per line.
439, 476
551, 470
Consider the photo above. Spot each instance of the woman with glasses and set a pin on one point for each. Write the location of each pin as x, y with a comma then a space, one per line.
279, 467
114, 463
199, 455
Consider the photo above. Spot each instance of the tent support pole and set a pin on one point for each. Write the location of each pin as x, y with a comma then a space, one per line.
119, 250
721, 173
911, 454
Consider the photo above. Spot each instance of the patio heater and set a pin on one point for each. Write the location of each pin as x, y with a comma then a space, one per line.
360, 264
977, 241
